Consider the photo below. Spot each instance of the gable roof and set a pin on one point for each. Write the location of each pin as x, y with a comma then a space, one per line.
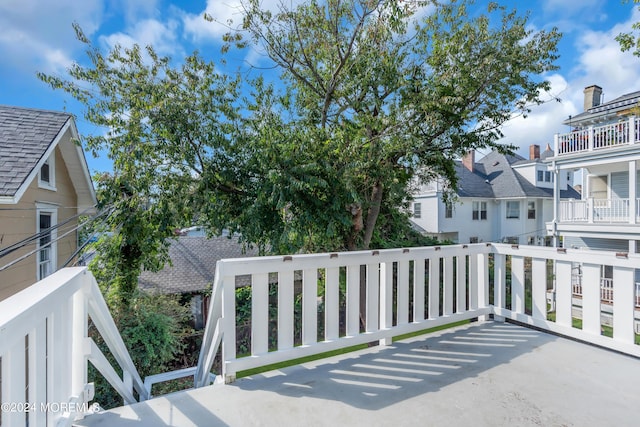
494, 178
193, 266
27, 138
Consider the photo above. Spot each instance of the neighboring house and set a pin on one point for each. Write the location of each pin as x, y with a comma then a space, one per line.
501, 198
44, 186
604, 142
192, 270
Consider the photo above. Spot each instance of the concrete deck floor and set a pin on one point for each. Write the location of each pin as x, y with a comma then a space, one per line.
481, 374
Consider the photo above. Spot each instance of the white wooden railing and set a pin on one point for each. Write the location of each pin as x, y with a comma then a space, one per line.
596, 210
423, 282
365, 297
45, 347
606, 289
598, 137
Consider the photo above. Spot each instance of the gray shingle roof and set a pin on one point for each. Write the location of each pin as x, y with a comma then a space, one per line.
194, 264
494, 177
25, 135
620, 103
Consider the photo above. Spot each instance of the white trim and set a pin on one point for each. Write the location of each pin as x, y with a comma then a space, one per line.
52, 210
36, 169
51, 184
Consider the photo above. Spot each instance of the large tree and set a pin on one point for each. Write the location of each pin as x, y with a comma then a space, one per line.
377, 96
370, 98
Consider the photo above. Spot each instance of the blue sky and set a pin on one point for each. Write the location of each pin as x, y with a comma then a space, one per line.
37, 35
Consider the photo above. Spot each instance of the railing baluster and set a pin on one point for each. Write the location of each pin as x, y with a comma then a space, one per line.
448, 286
310, 306
373, 297
332, 303
461, 283
434, 287
259, 313
499, 281
623, 307
418, 289
563, 293
539, 288
13, 383
403, 292
591, 298
517, 284
386, 299
285, 310
38, 371
353, 300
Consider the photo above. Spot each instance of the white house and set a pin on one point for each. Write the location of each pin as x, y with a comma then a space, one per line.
604, 142
500, 198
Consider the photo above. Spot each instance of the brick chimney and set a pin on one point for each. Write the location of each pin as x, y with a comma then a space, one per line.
592, 96
469, 160
534, 152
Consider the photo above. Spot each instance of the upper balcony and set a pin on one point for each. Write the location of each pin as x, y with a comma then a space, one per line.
484, 373
597, 141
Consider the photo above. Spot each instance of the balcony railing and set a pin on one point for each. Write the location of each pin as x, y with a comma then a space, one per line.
606, 289
597, 211
323, 302
599, 137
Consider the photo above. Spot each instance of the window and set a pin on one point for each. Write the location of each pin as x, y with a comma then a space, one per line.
473, 240
531, 210
479, 210
46, 242
47, 174
513, 209
417, 210
448, 210
548, 177
512, 240
540, 176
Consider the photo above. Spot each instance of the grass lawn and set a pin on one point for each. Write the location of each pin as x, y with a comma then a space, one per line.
607, 331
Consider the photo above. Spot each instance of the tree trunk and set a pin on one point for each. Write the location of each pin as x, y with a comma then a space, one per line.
372, 213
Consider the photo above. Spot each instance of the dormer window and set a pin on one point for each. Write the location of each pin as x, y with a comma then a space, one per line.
47, 174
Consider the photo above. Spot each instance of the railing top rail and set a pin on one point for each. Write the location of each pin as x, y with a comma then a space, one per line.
258, 265
587, 256
38, 299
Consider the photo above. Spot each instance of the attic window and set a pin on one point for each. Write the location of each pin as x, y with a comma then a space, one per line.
47, 176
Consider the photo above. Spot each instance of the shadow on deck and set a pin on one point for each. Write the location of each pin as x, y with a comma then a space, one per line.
485, 373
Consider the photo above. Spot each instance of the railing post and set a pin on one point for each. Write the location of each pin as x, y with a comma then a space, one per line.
632, 192
632, 130
555, 144
591, 139
447, 281
353, 300
461, 283
229, 327
590, 208
78, 334
310, 306
418, 289
285, 310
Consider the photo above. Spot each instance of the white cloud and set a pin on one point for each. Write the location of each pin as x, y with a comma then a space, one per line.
38, 33
599, 61
162, 36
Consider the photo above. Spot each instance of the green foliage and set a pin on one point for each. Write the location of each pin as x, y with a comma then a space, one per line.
155, 329
630, 41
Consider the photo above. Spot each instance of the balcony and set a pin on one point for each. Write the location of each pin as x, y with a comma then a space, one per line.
486, 372
602, 211
598, 138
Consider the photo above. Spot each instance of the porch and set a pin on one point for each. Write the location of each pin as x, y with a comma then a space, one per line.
598, 138
600, 211
326, 302
481, 374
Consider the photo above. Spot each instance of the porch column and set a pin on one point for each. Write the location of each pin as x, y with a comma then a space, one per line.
556, 205
632, 192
